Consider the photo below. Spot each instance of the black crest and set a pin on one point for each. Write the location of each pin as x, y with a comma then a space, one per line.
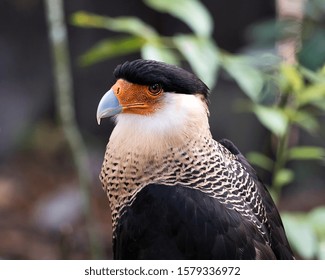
172, 78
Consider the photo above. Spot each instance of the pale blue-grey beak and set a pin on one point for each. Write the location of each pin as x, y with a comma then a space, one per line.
108, 106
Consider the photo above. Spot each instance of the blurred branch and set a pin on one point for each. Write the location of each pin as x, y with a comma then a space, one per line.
65, 106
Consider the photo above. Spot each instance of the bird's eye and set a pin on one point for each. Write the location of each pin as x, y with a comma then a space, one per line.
155, 89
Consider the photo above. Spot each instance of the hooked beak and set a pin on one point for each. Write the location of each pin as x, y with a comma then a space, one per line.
108, 106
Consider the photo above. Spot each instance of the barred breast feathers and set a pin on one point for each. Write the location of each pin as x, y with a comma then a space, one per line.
215, 174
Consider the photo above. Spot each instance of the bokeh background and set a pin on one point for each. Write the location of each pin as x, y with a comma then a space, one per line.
42, 213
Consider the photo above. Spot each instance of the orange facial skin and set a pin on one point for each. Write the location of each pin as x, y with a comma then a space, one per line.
138, 99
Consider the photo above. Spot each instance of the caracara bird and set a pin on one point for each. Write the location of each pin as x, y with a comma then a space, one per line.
174, 192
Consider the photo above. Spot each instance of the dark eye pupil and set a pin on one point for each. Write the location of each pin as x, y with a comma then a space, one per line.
155, 88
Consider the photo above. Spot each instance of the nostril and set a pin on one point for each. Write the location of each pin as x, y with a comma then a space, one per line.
118, 91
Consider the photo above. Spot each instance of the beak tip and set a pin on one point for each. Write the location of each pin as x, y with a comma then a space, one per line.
108, 106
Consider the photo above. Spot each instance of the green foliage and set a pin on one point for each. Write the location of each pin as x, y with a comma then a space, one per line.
282, 97
306, 232
311, 53
301, 101
200, 52
159, 51
130, 25
273, 118
313, 35
306, 153
261, 160
298, 106
201, 23
111, 47
198, 49
248, 78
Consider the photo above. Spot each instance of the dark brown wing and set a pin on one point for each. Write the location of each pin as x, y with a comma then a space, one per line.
176, 222
277, 236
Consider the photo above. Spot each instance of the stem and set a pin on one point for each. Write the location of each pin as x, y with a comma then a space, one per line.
287, 49
65, 108
280, 162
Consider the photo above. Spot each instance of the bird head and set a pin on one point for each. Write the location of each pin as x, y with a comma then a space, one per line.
155, 96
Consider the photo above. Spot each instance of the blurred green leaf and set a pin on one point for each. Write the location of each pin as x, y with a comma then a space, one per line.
321, 251
131, 25
202, 55
306, 153
317, 220
283, 177
322, 71
312, 53
272, 118
314, 77
301, 236
312, 94
159, 53
111, 48
260, 160
315, 9
291, 80
306, 232
304, 120
320, 105
248, 78
192, 12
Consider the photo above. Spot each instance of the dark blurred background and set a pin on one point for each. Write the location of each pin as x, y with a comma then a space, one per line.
41, 214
